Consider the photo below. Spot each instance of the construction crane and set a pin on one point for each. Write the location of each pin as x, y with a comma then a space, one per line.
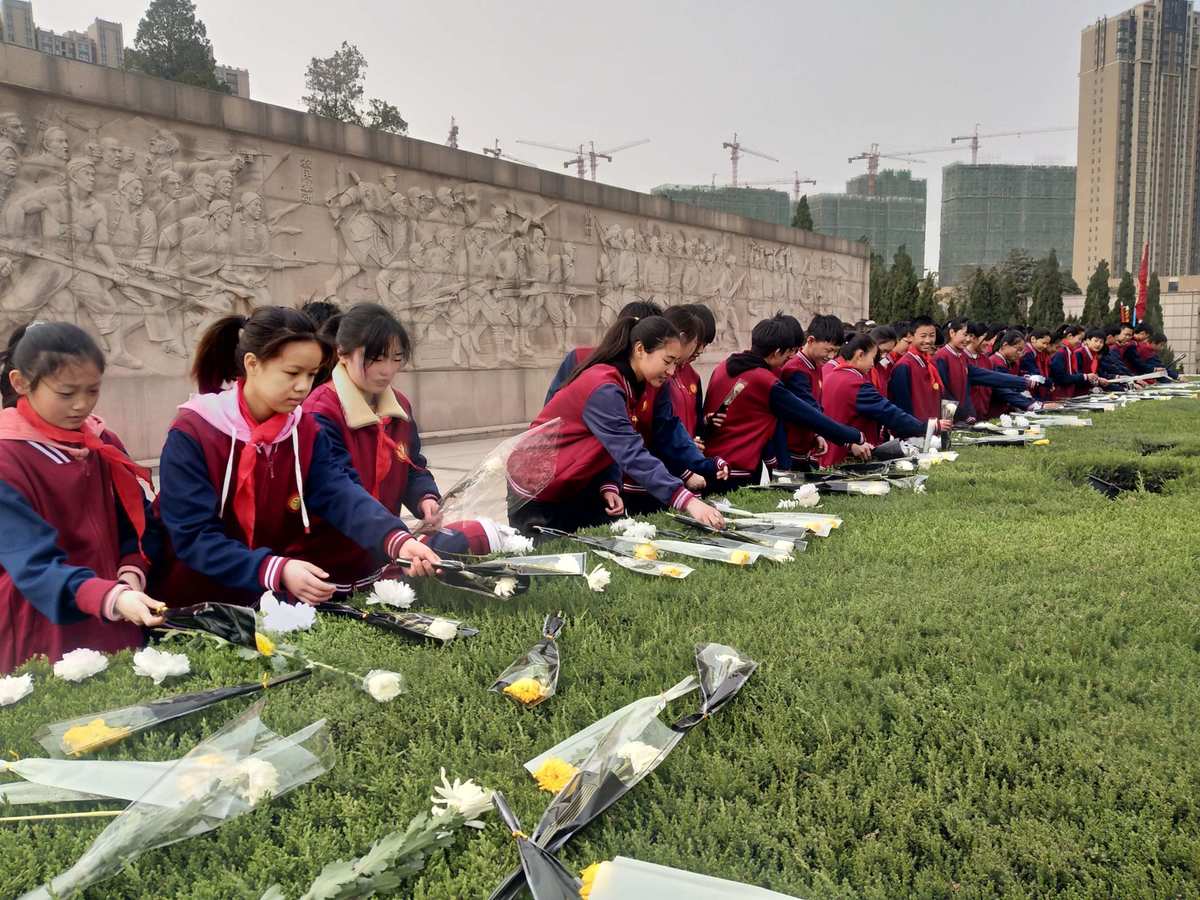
975, 137
587, 155
873, 155
795, 182
452, 140
499, 154
736, 150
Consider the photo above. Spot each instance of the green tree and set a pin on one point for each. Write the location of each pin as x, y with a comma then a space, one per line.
1021, 268
1095, 304
927, 304
336, 87
902, 286
879, 301
1010, 303
1126, 297
983, 297
382, 116
1154, 311
802, 218
1046, 306
172, 43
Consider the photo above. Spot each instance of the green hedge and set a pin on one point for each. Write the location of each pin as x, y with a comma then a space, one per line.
987, 689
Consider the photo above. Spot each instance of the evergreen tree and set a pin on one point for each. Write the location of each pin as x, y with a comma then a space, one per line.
879, 303
1095, 304
981, 297
1126, 297
802, 218
172, 43
927, 304
382, 116
1046, 307
1154, 311
902, 287
1021, 268
1010, 304
335, 87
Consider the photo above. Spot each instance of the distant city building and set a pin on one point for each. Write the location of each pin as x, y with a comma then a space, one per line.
71, 44
894, 216
990, 210
1137, 154
18, 23
753, 203
237, 79
108, 43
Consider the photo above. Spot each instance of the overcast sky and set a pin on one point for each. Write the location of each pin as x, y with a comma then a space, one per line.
809, 83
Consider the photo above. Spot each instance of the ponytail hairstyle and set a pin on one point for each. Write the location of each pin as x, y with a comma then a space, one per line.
372, 328
39, 349
1011, 338
687, 322
221, 353
863, 342
320, 311
618, 342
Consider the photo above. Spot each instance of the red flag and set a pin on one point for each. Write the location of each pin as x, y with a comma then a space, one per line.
1139, 312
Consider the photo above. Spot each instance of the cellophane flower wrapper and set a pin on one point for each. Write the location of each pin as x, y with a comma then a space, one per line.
224, 776
629, 879
546, 877
723, 672
18, 793
654, 567
527, 461
540, 665
579, 746
548, 564
406, 623
709, 552
914, 483
235, 625
81, 735
485, 582
864, 487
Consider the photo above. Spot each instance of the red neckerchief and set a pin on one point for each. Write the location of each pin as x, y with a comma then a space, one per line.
123, 470
262, 434
926, 361
385, 447
1071, 363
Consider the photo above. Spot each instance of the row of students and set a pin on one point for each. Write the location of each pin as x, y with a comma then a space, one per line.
263, 486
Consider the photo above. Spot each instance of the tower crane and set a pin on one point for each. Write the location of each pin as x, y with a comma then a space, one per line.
736, 149
499, 154
795, 182
585, 155
975, 137
873, 155
452, 138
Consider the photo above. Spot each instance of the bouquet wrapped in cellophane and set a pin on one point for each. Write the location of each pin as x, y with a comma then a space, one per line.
653, 567
545, 876
406, 623
818, 524
525, 462
490, 579
776, 542
224, 776
94, 731
629, 750
623, 878
533, 678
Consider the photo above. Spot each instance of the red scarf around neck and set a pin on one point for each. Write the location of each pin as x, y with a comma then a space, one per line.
123, 470
262, 434
935, 378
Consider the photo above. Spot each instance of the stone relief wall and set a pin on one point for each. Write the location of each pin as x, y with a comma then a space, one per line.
144, 229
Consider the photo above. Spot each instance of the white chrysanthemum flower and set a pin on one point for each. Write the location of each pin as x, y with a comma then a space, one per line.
806, 495
634, 530
465, 798
919, 488
567, 564
1010, 432
641, 756
159, 665
383, 685
512, 541
787, 504
281, 617
1006, 421
904, 465
258, 779
505, 587
784, 546
1021, 421
442, 629
598, 579
14, 688
80, 664
390, 592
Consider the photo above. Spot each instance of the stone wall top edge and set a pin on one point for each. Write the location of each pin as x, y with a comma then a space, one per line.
132, 92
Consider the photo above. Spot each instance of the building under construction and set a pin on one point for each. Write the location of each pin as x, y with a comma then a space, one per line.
753, 203
990, 210
893, 216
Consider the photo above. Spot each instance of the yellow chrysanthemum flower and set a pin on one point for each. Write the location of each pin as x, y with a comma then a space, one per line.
526, 690
1044, 442
95, 735
588, 877
553, 774
740, 557
672, 571
264, 644
645, 551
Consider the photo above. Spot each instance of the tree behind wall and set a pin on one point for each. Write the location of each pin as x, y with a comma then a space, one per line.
336, 85
803, 215
1154, 310
1046, 307
902, 287
879, 303
1095, 305
927, 304
172, 43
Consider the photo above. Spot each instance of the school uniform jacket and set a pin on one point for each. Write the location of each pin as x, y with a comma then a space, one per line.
66, 543
804, 378
572, 361
916, 387
665, 436
353, 429
687, 397
597, 442
295, 474
1064, 373
960, 375
751, 420
981, 394
851, 398
1034, 362
1002, 400
1112, 365
1136, 356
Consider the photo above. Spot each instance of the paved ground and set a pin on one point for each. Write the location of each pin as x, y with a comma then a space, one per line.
449, 462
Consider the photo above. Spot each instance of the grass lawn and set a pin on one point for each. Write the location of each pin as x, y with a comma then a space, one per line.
988, 689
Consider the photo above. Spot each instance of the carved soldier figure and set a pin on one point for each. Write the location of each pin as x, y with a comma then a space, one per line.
729, 326
657, 275
611, 296
51, 162
537, 288
109, 165
13, 129
204, 189
558, 302
223, 182
363, 216
200, 247
689, 284
170, 187
74, 237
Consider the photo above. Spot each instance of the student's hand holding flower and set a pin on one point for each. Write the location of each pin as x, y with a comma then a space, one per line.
695, 483
613, 504
306, 582
702, 512
140, 609
945, 425
861, 451
424, 561
431, 514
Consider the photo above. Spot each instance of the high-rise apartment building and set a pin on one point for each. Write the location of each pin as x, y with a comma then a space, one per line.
237, 79
108, 43
1138, 120
18, 23
888, 219
102, 44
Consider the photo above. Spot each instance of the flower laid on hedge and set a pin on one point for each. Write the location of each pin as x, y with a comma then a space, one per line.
160, 665
95, 735
554, 774
527, 690
80, 664
634, 530
383, 686
741, 557
598, 579
390, 592
14, 688
281, 617
264, 644
588, 879
256, 780
461, 798
534, 677
645, 551
505, 587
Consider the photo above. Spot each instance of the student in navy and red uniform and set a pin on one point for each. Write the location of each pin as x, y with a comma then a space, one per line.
1112, 365
78, 530
1006, 357
885, 340
1157, 344
1087, 357
915, 385
599, 411
1035, 362
752, 418
373, 435
851, 398
685, 386
803, 375
1068, 380
959, 374
637, 309
977, 357
243, 467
